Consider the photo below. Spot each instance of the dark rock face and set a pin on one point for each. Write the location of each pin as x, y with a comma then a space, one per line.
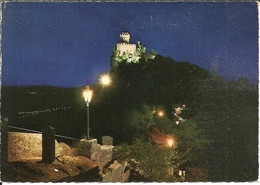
64, 168
136, 177
89, 176
116, 172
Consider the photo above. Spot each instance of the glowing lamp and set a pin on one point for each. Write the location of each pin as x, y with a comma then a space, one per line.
160, 113
170, 142
87, 94
105, 80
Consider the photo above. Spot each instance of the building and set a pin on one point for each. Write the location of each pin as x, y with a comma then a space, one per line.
124, 44
127, 52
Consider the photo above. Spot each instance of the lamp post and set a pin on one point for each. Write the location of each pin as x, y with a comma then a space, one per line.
87, 94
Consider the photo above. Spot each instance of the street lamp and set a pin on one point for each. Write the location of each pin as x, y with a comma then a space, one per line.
87, 94
170, 142
160, 113
105, 80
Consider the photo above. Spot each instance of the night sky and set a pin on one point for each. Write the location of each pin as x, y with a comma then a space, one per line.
69, 44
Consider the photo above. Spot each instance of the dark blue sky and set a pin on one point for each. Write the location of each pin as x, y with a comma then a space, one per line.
69, 44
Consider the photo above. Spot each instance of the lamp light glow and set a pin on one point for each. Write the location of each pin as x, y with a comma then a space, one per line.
160, 113
170, 142
87, 94
105, 80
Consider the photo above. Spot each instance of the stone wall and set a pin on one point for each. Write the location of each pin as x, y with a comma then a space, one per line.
123, 47
22, 146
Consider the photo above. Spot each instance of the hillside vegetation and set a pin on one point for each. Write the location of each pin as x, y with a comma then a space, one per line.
222, 117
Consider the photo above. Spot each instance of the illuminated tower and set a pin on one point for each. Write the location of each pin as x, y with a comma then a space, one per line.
124, 46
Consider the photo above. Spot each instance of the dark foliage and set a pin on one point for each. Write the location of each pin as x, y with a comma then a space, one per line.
225, 112
228, 111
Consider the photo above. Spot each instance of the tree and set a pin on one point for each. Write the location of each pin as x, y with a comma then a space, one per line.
153, 52
156, 165
188, 135
228, 111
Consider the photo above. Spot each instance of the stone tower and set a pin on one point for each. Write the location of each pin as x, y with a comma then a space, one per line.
124, 37
124, 46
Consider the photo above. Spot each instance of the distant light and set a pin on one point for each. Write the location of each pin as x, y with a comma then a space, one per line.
177, 122
170, 142
105, 80
160, 113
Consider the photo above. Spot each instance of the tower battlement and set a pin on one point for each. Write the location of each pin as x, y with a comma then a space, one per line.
124, 43
124, 37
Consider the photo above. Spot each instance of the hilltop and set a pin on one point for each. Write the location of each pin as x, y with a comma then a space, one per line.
225, 113
29, 106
